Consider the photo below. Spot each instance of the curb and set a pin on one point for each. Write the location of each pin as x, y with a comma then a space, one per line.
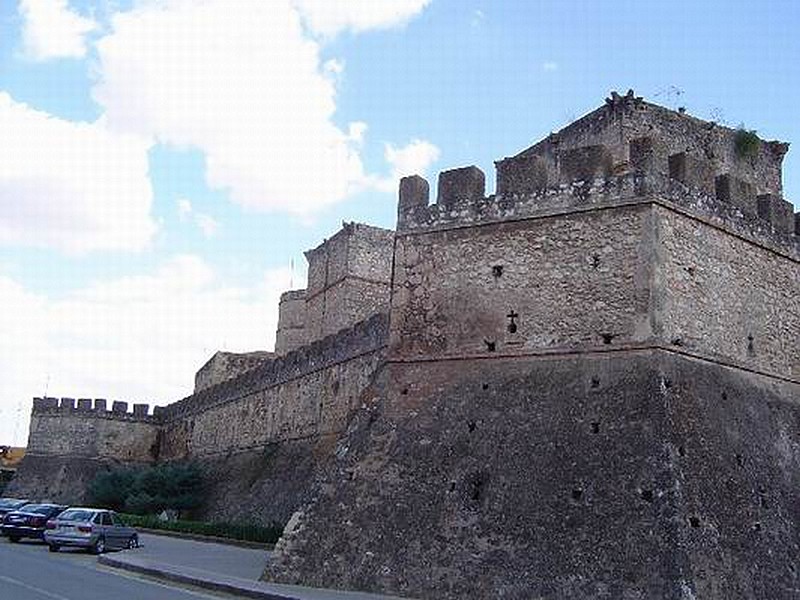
230, 585
206, 538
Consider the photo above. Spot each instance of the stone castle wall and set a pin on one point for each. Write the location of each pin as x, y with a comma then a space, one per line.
228, 365
69, 441
292, 401
291, 333
725, 297
306, 393
349, 278
583, 386
474, 291
87, 429
592, 382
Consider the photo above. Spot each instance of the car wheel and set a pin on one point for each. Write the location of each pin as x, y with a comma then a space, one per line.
53, 547
99, 546
13, 539
133, 542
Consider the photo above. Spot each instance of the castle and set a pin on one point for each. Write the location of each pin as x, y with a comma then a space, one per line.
583, 386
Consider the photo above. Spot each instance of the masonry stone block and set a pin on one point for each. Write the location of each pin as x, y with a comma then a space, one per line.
85, 404
736, 191
777, 211
100, 404
119, 407
522, 175
68, 403
585, 163
141, 410
45, 403
647, 155
693, 172
466, 184
797, 223
414, 192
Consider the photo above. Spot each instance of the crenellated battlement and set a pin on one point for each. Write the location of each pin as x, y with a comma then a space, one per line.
97, 407
362, 338
624, 152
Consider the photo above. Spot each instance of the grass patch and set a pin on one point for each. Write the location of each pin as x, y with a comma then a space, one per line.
235, 531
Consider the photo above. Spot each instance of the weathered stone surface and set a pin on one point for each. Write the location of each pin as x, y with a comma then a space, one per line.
734, 190
53, 478
644, 475
460, 186
586, 163
264, 484
414, 191
725, 298
291, 333
228, 365
777, 211
692, 171
348, 279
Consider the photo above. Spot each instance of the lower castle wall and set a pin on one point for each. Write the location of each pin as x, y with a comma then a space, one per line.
632, 474
67, 446
261, 435
311, 405
65, 432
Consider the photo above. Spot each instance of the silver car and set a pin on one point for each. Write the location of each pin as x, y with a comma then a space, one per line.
95, 529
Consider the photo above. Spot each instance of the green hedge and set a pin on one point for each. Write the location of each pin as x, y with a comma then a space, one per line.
234, 531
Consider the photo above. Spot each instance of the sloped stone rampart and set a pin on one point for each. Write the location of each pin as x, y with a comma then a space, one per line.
619, 475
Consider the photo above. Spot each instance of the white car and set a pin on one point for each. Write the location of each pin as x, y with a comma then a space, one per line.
95, 529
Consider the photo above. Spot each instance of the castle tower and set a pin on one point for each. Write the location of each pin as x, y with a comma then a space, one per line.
593, 381
349, 277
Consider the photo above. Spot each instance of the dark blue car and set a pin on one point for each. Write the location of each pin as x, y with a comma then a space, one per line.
29, 521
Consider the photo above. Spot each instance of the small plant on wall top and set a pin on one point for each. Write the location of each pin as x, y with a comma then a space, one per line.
746, 142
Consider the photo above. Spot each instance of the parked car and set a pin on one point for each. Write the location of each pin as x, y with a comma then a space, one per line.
29, 521
9, 504
95, 529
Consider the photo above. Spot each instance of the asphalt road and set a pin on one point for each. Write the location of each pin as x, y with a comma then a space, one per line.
29, 572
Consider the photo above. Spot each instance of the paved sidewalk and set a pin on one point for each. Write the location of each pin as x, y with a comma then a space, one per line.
216, 567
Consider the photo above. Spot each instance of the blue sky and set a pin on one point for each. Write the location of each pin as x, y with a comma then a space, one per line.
164, 162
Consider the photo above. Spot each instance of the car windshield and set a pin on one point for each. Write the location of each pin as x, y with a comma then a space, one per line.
76, 515
11, 503
39, 509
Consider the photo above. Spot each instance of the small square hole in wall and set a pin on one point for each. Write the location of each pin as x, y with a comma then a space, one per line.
497, 271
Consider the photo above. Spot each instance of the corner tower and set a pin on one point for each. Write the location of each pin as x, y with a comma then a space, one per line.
593, 381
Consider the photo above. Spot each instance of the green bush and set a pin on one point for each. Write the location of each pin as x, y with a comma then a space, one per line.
112, 488
236, 531
746, 142
177, 486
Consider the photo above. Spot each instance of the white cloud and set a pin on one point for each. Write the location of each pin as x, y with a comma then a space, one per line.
207, 224
328, 18
73, 186
138, 338
412, 159
198, 74
50, 29
184, 209
260, 107
549, 66
478, 16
